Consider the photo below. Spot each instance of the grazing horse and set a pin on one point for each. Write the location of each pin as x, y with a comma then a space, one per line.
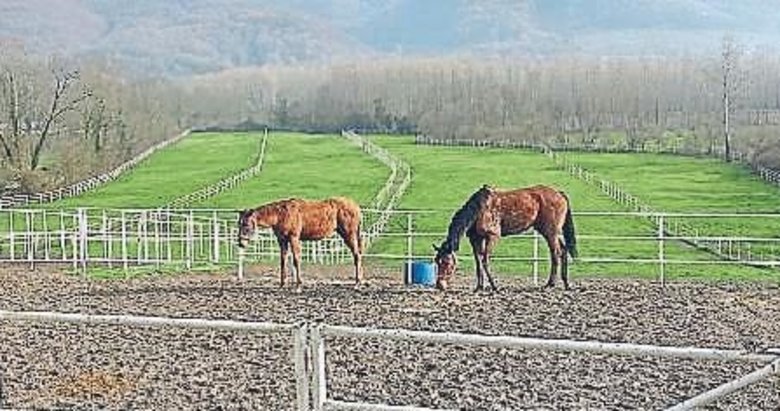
490, 214
295, 220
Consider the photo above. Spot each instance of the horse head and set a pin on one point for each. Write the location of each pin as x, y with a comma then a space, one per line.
246, 227
446, 263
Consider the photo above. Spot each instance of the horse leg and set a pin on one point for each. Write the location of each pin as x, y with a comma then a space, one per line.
284, 250
476, 247
564, 265
295, 244
353, 243
357, 257
490, 243
555, 257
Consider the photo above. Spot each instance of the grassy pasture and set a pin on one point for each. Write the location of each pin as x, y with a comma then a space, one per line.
699, 185
444, 177
308, 166
196, 161
322, 166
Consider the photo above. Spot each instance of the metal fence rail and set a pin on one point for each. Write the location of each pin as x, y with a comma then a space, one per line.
78, 188
122, 238
309, 351
318, 347
296, 331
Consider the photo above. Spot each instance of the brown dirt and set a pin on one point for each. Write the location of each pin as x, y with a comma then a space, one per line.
115, 367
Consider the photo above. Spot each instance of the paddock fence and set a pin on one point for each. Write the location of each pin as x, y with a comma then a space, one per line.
125, 238
619, 194
769, 175
226, 183
78, 188
309, 351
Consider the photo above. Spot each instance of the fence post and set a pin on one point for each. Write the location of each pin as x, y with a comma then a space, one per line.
536, 258
83, 252
11, 236
215, 247
661, 261
190, 240
124, 242
29, 237
240, 263
409, 247
319, 380
300, 358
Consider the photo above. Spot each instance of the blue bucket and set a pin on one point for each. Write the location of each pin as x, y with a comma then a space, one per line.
422, 273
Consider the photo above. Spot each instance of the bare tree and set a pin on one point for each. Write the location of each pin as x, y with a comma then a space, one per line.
730, 54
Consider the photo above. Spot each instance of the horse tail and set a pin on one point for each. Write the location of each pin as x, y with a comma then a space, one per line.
569, 235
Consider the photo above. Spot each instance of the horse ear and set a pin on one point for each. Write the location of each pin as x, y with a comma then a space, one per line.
435, 248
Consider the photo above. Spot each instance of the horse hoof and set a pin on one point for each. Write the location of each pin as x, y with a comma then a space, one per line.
298, 290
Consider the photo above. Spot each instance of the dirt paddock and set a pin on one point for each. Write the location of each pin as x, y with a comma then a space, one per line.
47, 366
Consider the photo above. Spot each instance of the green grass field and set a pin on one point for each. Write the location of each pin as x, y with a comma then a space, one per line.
308, 166
318, 166
444, 177
696, 185
195, 162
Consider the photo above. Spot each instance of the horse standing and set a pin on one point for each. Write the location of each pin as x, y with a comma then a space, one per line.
490, 214
295, 220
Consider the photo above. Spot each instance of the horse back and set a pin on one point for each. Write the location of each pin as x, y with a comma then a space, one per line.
531, 206
320, 219
348, 213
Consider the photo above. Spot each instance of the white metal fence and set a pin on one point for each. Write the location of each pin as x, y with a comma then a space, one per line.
226, 183
309, 350
388, 197
769, 175
616, 192
75, 189
196, 237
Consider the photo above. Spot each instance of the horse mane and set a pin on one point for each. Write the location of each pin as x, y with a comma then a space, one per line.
463, 219
274, 207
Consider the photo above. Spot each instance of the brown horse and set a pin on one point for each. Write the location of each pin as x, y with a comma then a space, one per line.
295, 220
490, 214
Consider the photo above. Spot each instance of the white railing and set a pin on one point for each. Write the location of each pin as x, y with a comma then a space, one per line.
318, 348
767, 174
75, 189
389, 196
613, 190
297, 332
224, 184
193, 237
309, 349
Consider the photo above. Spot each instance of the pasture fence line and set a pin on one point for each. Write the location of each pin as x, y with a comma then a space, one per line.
78, 188
309, 351
769, 175
390, 194
679, 228
224, 184
125, 238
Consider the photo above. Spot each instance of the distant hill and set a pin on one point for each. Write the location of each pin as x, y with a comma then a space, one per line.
179, 37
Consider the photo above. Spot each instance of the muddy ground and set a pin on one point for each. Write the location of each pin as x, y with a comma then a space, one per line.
48, 366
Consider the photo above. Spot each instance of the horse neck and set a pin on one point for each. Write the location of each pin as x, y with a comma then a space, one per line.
464, 218
266, 216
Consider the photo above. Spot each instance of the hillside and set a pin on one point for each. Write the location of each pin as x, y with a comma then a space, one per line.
195, 36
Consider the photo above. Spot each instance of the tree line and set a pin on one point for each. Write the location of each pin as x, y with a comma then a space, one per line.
707, 105
61, 121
